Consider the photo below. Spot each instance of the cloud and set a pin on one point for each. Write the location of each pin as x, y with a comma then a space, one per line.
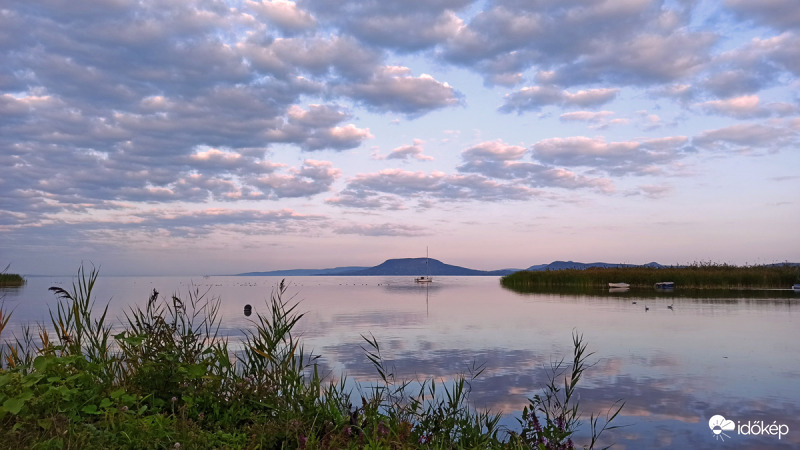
157, 228
623, 157
494, 159
414, 151
75, 179
760, 63
391, 88
748, 106
284, 14
781, 14
120, 110
586, 116
315, 129
312, 178
385, 229
208, 221
644, 59
535, 97
502, 161
635, 42
395, 188
409, 26
746, 138
496, 150
215, 159
367, 199
653, 190
681, 93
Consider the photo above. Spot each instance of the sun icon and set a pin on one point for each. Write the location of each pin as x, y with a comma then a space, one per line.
719, 425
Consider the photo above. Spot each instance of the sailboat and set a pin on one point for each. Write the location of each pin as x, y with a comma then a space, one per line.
427, 278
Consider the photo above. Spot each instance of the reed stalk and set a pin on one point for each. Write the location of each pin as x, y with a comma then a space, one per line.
168, 380
695, 276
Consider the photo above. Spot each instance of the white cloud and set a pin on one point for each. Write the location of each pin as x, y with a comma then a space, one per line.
414, 151
283, 13
384, 229
747, 137
312, 178
392, 88
586, 116
613, 157
535, 97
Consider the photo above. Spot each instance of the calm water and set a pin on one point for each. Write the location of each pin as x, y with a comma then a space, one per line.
736, 355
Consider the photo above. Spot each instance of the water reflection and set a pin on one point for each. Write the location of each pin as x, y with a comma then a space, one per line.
734, 353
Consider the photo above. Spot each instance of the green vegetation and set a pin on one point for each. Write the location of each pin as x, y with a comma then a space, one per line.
695, 276
168, 380
11, 280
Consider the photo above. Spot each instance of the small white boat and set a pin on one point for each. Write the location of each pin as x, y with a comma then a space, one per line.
665, 285
619, 285
796, 287
426, 278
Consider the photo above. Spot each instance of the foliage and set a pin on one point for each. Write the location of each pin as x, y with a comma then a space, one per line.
560, 408
168, 380
698, 275
10, 279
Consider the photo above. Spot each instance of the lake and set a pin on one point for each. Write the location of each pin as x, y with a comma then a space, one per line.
734, 354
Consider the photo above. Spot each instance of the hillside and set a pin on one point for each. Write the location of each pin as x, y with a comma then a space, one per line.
390, 267
416, 267
563, 265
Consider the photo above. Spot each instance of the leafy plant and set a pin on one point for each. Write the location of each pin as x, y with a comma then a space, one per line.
560, 409
167, 379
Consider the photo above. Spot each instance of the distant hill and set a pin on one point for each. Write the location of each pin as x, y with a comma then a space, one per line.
561, 265
416, 267
303, 272
401, 266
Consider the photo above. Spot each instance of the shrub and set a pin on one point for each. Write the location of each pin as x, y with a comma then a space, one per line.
169, 380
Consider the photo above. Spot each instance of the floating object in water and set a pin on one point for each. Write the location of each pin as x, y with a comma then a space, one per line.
248, 310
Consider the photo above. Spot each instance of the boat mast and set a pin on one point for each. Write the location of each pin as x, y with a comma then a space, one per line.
427, 274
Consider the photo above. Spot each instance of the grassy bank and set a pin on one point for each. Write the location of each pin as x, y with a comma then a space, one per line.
11, 280
166, 379
696, 276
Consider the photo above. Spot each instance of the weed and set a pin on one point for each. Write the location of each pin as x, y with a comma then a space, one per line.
168, 380
698, 275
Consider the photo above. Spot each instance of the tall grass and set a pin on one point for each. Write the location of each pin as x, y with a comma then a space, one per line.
698, 275
168, 380
10, 279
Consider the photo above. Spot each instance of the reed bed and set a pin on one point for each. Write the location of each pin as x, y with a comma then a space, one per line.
695, 276
11, 280
168, 380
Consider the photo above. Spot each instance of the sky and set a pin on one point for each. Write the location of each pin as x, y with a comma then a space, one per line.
192, 137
